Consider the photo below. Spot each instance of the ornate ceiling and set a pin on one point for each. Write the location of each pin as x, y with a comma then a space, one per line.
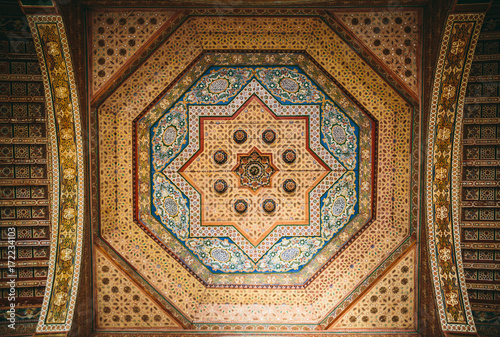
268, 181
253, 170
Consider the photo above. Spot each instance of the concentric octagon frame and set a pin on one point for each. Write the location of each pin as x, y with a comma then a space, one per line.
362, 255
364, 172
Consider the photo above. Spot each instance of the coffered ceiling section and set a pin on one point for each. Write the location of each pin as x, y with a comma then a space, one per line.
255, 173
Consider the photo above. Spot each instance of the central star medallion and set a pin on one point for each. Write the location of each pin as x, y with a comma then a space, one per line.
255, 170
250, 174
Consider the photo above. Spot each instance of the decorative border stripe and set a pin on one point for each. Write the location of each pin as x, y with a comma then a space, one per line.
67, 205
443, 170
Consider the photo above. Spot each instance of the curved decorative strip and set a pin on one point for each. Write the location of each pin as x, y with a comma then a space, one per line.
67, 172
443, 170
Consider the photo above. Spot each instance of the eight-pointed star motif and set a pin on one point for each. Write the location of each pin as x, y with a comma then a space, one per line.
251, 165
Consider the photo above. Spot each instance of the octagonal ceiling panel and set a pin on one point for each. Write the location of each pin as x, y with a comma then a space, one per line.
326, 174
309, 198
262, 186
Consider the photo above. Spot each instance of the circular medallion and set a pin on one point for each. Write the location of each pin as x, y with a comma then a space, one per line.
240, 206
289, 85
169, 135
289, 156
220, 157
268, 136
218, 86
338, 206
220, 186
289, 185
220, 255
254, 171
240, 136
338, 134
289, 254
269, 205
171, 207
7, 191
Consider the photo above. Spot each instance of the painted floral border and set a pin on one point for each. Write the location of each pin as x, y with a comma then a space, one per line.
443, 170
67, 167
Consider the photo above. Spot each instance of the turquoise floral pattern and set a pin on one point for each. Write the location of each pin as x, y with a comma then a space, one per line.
339, 135
288, 85
290, 254
171, 206
338, 205
169, 137
219, 86
221, 255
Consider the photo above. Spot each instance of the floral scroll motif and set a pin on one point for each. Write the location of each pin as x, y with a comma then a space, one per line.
67, 167
447, 106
